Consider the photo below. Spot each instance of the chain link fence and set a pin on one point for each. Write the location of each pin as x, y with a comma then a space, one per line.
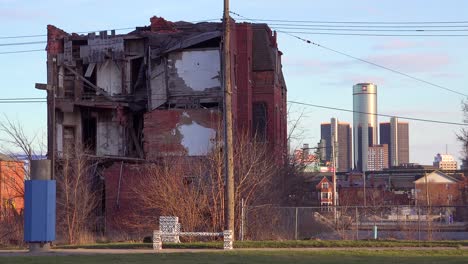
355, 222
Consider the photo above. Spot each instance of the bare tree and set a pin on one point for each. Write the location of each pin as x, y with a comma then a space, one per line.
76, 196
192, 188
18, 148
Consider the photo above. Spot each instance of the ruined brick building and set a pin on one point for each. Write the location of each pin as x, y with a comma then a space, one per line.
158, 90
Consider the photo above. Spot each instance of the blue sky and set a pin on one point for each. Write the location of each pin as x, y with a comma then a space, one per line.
313, 75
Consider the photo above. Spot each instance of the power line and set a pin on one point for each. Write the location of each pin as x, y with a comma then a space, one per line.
22, 102
385, 115
22, 98
360, 22
373, 30
375, 35
352, 22
43, 100
22, 43
366, 61
25, 36
375, 64
21, 51
366, 26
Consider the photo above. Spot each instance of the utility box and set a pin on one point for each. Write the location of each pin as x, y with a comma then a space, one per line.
39, 210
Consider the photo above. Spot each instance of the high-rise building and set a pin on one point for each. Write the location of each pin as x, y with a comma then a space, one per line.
364, 122
445, 162
377, 158
396, 135
340, 132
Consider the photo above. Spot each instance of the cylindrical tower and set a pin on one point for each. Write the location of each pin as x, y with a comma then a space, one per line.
364, 122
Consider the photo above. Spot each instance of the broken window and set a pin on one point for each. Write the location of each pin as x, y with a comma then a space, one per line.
89, 131
68, 84
138, 74
259, 124
69, 137
90, 75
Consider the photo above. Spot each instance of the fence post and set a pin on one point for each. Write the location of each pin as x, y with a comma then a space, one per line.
357, 224
242, 220
157, 241
295, 228
419, 224
227, 236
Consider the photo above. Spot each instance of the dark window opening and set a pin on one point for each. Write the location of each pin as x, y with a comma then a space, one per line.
68, 84
209, 105
138, 76
136, 135
68, 138
259, 124
88, 91
211, 43
89, 132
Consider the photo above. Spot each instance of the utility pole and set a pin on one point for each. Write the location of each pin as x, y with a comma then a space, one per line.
334, 177
364, 187
54, 126
228, 151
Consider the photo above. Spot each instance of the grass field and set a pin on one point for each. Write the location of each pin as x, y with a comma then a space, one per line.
282, 244
270, 257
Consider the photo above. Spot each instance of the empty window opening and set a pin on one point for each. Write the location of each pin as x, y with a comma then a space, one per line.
259, 123
89, 132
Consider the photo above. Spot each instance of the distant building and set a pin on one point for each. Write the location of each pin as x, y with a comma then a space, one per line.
325, 191
377, 158
364, 122
396, 135
11, 186
445, 162
343, 139
439, 189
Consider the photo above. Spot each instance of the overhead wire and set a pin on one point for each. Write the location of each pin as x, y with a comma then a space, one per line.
20, 51
22, 98
43, 100
23, 43
376, 114
365, 61
374, 35
373, 30
366, 26
376, 65
350, 22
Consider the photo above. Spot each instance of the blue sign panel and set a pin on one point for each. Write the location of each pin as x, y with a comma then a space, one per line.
39, 210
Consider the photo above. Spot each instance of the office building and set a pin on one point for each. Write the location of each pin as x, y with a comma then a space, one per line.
396, 135
340, 132
377, 158
364, 122
445, 162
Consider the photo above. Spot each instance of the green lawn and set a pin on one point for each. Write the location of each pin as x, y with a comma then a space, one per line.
282, 244
270, 257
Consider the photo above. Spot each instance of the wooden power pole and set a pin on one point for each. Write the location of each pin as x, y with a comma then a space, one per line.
228, 152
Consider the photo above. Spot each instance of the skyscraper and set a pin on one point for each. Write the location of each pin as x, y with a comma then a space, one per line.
396, 135
364, 122
341, 133
377, 157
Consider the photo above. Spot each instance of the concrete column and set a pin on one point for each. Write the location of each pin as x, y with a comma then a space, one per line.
41, 170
